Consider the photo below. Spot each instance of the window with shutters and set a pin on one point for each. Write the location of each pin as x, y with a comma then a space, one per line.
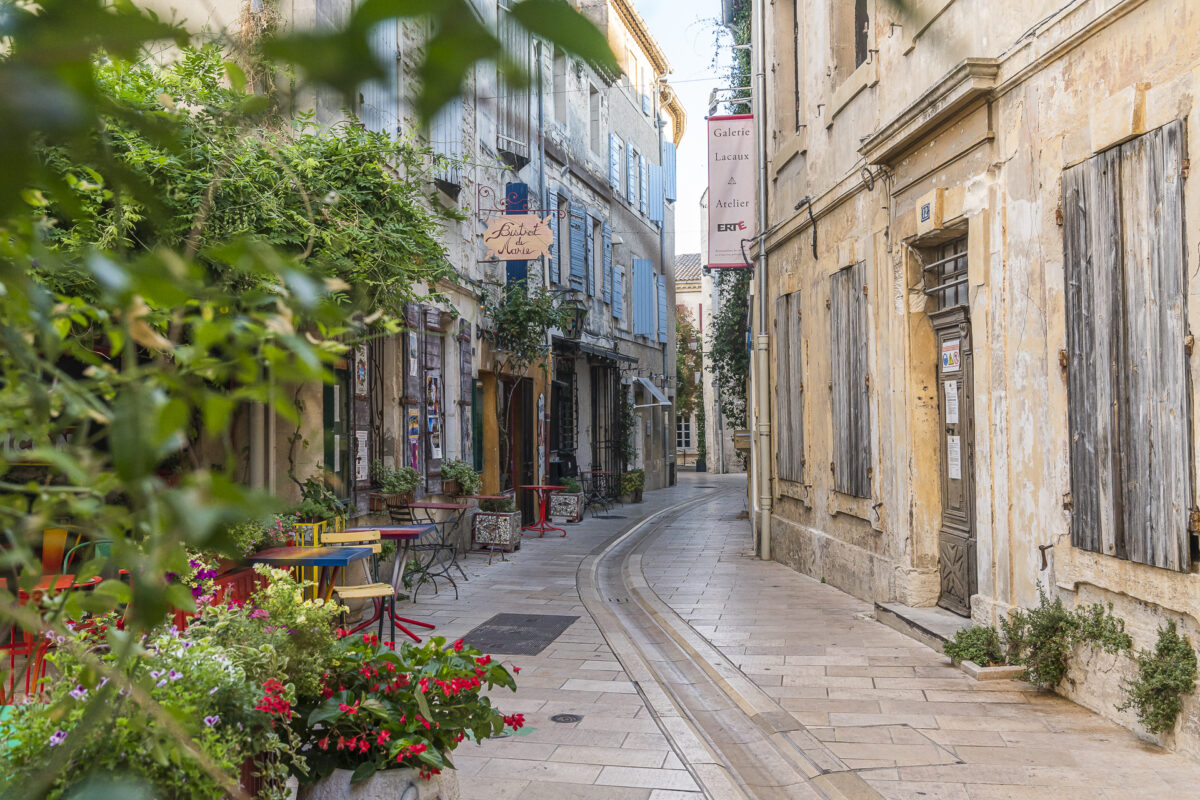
379, 99
618, 299
661, 295
669, 171
644, 186
578, 247
848, 338
606, 263
596, 262
616, 162
789, 390
1129, 405
589, 254
631, 175
559, 84
643, 297
512, 105
561, 266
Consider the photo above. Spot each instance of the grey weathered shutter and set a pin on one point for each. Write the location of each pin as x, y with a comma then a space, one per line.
380, 108
414, 372
433, 400
446, 139
631, 173
606, 263
618, 301
578, 273
552, 210
851, 412
643, 186
1128, 401
788, 388
669, 171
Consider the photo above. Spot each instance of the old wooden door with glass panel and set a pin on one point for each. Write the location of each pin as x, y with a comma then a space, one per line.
946, 279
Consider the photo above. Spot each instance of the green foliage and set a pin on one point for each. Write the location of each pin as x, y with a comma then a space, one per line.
403, 481
317, 502
633, 480
627, 429
383, 708
1164, 676
689, 364
728, 352
520, 318
1041, 639
469, 481
573, 485
505, 506
247, 538
978, 643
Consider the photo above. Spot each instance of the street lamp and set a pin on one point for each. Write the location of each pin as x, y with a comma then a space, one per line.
576, 313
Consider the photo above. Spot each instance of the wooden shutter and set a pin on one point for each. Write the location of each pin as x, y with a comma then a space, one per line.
661, 280
380, 108
589, 254
433, 402
789, 401
656, 193
578, 273
1127, 383
614, 161
643, 186
641, 316
618, 301
606, 262
669, 171
631, 173
466, 392
851, 413
446, 139
552, 209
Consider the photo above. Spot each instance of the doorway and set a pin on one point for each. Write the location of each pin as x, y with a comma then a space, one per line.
946, 279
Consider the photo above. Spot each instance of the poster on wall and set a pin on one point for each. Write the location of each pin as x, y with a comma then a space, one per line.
951, 355
414, 434
362, 470
954, 457
360, 371
730, 189
433, 412
414, 361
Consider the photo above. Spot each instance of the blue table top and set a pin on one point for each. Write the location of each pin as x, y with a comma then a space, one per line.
310, 556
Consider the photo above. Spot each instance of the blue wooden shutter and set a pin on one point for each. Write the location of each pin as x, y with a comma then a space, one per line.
669, 170
606, 264
577, 248
646, 103
644, 186
552, 210
643, 297
589, 254
380, 108
614, 161
631, 174
662, 307
656, 193
516, 202
618, 300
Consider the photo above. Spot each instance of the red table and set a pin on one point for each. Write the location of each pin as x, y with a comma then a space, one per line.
405, 534
543, 493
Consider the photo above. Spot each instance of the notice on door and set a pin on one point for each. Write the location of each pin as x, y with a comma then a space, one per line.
951, 402
951, 356
954, 457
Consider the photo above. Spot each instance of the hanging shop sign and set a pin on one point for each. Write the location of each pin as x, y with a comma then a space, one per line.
519, 237
730, 189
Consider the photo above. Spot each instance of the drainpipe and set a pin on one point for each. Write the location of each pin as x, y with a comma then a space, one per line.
762, 381
542, 153
662, 261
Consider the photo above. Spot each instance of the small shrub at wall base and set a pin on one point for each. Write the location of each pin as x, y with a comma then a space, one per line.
504, 506
469, 481
978, 643
1165, 675
395, 481
633, 481
572, 486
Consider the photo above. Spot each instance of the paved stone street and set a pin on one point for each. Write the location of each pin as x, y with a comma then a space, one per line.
788, 689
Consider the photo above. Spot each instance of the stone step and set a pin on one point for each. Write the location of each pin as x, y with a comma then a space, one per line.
930, 626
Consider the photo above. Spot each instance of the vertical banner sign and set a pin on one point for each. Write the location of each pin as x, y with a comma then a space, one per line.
730, 189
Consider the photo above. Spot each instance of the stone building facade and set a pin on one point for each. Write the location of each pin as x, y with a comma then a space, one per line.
980, 307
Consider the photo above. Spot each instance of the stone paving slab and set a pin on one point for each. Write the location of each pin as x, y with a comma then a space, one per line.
891, 708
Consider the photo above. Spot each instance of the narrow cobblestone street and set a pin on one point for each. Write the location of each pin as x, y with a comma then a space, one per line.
789, 688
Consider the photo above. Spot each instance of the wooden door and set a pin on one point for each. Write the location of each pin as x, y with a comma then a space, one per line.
956, 540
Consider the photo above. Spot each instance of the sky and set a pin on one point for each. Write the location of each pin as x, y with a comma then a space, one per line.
686, 33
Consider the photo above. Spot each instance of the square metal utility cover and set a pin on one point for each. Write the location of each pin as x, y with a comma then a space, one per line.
518, 634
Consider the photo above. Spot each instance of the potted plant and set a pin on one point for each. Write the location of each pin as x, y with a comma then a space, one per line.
568, 503
632, 483
386, 719
318, 507
396, 485
497, 523
459, 477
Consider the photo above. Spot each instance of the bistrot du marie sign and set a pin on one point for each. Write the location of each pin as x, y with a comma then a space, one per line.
521, 237
730, 189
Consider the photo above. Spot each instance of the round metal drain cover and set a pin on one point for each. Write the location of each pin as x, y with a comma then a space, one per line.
566, 718
609, 516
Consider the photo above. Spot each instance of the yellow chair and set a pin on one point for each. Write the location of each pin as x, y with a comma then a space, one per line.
371, 590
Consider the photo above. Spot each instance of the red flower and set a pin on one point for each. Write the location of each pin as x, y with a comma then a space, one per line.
348, 709
515, 721
483, 661
383, 737
424, 684
516, 670
458, 645
324, 743
364, 745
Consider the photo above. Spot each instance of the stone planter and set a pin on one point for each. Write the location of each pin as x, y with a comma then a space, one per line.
567, 506
497, 529
391, 784
632, 497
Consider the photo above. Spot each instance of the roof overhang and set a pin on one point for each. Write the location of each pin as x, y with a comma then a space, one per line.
660, 399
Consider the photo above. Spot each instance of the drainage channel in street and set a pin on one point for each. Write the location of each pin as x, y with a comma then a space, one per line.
734, 738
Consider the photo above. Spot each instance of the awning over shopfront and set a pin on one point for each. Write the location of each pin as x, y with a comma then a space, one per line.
659, 398
565, 345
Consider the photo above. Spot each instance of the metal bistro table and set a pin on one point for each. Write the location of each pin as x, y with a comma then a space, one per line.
543, 493
445, 527
405, 535
329, 560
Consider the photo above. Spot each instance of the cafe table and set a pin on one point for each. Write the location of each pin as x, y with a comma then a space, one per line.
405, 535
543, 492
329, 560
445, 527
